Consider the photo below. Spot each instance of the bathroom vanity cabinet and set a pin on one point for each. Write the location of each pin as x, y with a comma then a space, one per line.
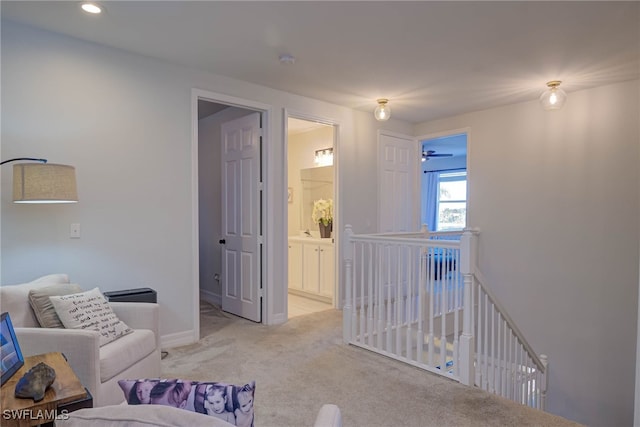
312, 267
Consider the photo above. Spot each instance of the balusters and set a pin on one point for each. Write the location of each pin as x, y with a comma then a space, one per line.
503, 360
408, 298
363, 279
390, 263
509, 363
430, 295
419, 304
348, 305
479, 336
377, 313
401, 288
398, 300
443, 314
456, 312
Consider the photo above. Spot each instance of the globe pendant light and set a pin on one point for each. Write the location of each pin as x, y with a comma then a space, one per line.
554, 97
382, 111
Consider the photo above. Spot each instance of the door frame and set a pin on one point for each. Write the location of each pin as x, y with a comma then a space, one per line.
294, 114
466, 130
266, 112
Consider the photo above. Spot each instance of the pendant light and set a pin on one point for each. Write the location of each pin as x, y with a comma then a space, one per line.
382, 111
554, 97
42, 182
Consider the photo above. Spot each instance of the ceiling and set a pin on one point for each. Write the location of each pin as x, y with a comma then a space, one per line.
431, 59
296, 126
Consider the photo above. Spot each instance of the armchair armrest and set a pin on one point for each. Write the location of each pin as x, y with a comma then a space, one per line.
139, 315
81, 348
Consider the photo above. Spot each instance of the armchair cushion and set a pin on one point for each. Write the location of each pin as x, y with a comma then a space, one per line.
14, 299
42, 306
118, 355
90, 310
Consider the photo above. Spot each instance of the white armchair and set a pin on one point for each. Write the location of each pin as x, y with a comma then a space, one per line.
136, 355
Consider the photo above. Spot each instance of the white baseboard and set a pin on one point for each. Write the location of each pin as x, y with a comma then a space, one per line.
177, 339
188, 337
210, 297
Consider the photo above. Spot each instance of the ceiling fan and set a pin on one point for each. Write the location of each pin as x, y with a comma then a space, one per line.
426, 155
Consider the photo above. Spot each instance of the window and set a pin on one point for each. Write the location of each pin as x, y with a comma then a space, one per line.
452, 201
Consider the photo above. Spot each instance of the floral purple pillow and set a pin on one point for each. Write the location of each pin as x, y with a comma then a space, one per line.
231, 403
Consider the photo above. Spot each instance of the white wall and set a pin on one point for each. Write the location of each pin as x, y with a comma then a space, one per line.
124, 121
556, 197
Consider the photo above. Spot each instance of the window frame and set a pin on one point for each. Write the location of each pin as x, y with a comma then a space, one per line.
451, 176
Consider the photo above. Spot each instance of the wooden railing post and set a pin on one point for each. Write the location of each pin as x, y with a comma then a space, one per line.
348, 285
467, 268
545, 377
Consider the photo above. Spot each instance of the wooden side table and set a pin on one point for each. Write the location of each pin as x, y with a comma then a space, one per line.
65, 395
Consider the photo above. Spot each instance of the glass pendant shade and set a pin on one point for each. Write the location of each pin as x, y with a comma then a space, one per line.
382, 111
554, 97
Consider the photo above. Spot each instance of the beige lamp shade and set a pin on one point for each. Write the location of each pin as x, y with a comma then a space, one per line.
44, 183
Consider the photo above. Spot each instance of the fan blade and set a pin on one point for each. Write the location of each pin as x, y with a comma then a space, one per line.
431, 153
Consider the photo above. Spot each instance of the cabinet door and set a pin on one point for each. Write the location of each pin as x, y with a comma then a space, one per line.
327, 270
295, 265
311, 271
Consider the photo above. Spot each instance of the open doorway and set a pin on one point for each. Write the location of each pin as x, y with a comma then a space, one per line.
444, 182
311, 188
229, 200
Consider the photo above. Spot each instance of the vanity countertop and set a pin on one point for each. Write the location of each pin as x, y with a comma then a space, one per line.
303, 239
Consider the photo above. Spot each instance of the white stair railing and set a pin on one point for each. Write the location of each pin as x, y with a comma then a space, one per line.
505, 362
416, 297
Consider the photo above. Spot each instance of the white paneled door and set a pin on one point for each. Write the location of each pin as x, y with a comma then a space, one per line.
398, 163
241, 210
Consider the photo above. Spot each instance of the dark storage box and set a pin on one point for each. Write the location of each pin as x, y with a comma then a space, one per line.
132, 295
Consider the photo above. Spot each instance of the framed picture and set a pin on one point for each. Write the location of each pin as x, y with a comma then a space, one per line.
290, 194
10, 355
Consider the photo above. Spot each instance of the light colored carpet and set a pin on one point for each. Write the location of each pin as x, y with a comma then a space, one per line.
302, 364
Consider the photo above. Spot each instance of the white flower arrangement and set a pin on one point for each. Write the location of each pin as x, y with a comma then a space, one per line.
322, 211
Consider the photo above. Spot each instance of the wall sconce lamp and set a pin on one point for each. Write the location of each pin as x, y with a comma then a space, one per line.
554, 97
382, 111
42, 182
324, 157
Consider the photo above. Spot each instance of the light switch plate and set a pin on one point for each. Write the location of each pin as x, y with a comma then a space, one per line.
74, 231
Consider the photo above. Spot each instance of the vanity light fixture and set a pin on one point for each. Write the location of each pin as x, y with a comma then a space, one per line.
324, 157
92, 8
553, 98
382, 111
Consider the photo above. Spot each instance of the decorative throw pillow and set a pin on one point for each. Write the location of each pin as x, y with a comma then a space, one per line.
231, 403
90, 310
42, 306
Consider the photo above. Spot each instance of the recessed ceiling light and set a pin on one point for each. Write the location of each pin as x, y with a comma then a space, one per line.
91, 8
